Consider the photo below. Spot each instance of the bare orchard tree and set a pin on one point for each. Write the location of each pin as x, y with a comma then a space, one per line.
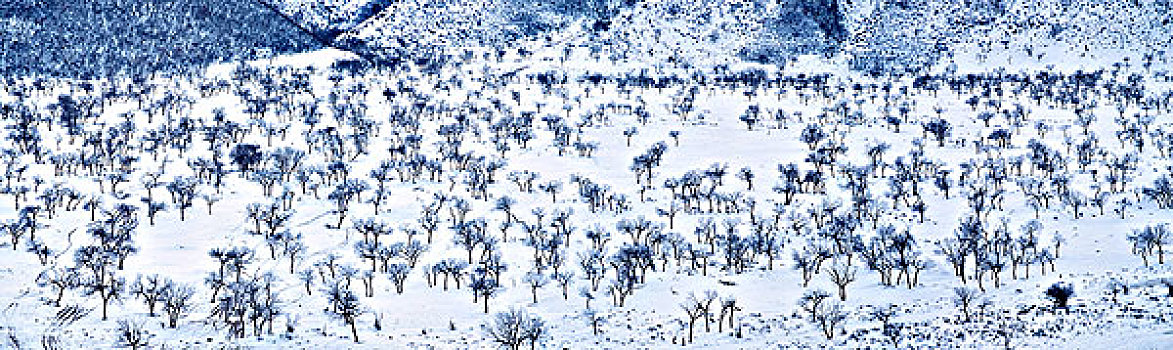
515, 327
150, 289
398, 273
822, 312
101, 279
130, 334
344, 305
965, 298
60, 280
694, 309
841, 274
535, 280
177, 301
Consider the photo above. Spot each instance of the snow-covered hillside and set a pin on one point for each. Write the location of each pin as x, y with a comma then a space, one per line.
329, 18
646, 179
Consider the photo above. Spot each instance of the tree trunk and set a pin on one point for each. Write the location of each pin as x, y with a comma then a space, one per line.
353, 331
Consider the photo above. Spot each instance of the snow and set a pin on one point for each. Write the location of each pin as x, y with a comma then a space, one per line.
1096, 249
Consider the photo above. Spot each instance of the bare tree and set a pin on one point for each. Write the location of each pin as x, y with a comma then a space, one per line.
842, 275
132, 335
398, 273
695, 309
823, 313
965, 298
176, 302
515, 327
535, 280
344, 304
150, 289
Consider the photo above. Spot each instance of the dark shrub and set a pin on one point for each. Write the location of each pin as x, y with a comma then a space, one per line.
1059, 293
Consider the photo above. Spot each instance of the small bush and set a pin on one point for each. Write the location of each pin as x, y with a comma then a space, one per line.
1060, 293
132, 335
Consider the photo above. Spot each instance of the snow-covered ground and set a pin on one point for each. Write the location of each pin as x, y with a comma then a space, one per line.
349, 123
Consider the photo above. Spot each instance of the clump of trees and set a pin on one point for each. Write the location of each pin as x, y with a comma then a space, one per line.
822, 312
514, 328
1151, 240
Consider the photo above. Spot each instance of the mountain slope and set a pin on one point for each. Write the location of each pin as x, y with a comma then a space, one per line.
102, 37
328, 19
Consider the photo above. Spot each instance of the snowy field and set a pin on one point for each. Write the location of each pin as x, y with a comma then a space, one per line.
567, 194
